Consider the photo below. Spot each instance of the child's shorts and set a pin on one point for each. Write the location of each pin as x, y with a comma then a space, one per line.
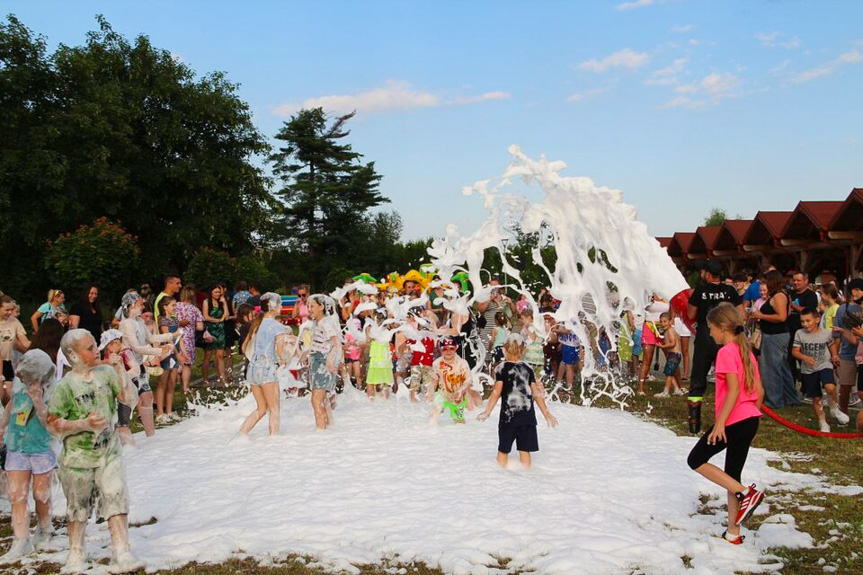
320, 375
142, 382
35, 463
421, 376
813, 382
672, 361
261, 371
569, 354
82, 486
524, 437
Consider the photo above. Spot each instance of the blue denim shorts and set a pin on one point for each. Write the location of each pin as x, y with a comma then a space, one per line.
36, 463
260, 371
319, 373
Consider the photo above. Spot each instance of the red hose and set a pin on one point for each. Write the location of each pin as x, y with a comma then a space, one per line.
805, 430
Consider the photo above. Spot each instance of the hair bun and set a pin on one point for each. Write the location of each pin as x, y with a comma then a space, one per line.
738, 329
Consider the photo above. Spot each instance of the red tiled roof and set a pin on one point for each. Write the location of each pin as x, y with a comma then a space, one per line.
664, 241
680, 243
772, 222
821, 213
850, 216
708, 235
810, 219
737, 228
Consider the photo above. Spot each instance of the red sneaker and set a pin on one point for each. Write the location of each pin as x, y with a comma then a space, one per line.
748, 503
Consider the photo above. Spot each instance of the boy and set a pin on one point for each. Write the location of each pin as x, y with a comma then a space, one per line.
670, 342
82, 411
452, 374
814, 348
515, 384
570, 354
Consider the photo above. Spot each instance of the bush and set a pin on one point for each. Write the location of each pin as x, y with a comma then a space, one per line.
103, 254
209, 267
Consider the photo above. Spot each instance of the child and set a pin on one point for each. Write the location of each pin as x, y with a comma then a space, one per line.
380, 371
452, 375
82, 411
264, 346
28, 443
324, 356
814, 348
739, 395
533, 355
516, 386
421, 360
115, 354
499, 333
570, 354
670, 342
168, 323
830, 300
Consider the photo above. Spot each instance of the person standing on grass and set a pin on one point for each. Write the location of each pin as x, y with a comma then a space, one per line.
847, 370
801, 297
517, 388
215, 311
173, 284
87, 313
12, 337
191, 320
709, 294
49, 309
773, 321
169, 324
739, 395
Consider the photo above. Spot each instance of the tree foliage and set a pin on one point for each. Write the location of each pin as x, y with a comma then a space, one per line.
102, 253
124, 130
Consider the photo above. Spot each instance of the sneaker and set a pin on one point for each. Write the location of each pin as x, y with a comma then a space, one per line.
20, 548
748, 503
733, 539
662, 394
76, 562
841, 418
125, 562
679, 391
854, 401
823, 426
174, 417
807, 400
162, 419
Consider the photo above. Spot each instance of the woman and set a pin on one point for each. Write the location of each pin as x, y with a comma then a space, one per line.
49, 309
266, 339
138, 337
301, 307
231, 333
86, 314
192, 321
215, 313
12, 338
773, 320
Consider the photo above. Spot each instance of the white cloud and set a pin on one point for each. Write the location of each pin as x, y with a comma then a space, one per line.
394, 95
625, 58
777, 40
852, 56
682, 29
667, 76
587, 95
708, 92
634, 4
778, 69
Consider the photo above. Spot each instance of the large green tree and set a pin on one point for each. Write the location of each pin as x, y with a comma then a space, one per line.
124, 130
327, 192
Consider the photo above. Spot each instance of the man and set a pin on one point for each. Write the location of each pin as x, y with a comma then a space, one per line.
255, 295
171, 289
800, 297
843, 338
709, 294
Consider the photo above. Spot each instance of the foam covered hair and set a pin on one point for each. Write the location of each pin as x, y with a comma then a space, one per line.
35, 366
70, 341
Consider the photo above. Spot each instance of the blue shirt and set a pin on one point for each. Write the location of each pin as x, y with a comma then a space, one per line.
847, 350
265, 339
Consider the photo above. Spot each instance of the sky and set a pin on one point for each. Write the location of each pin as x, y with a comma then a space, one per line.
684, 105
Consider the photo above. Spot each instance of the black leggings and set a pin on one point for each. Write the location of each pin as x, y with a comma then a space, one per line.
739, 435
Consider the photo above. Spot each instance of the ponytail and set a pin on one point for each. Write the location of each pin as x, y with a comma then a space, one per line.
726, 317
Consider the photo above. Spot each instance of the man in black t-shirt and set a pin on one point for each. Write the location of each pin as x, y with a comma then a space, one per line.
709, 294
800, 298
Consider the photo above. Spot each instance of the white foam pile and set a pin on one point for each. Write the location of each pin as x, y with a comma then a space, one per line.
609, 493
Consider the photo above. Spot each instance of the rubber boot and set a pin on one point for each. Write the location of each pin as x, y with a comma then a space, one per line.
694, 416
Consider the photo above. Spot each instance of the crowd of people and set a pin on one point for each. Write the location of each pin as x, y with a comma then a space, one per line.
81, 375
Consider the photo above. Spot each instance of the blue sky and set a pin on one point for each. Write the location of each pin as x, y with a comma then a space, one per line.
684, 105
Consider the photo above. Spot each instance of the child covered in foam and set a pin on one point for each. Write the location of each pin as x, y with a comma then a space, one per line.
517, 388
450, 384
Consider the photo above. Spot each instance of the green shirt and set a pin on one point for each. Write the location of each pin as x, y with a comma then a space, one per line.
24, 432
74, 399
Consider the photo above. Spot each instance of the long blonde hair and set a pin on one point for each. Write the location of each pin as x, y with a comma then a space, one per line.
726, 317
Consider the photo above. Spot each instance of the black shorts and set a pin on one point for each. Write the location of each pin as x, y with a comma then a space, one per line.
524, 437
813, 382
859, 378
739, 435
8, 370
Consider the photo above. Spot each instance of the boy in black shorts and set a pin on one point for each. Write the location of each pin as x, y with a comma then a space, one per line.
517, 388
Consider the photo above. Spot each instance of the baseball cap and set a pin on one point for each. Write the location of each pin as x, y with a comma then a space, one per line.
712, 266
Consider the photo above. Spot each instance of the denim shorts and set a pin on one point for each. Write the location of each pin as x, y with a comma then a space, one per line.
319, 373
260, 371
36, 463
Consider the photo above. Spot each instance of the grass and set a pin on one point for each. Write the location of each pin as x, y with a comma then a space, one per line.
835, 522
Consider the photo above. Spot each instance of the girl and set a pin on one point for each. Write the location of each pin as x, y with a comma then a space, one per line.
499, 333
122, 360
140, 339
29, 452
48, 309
324, 355
830, 300
265, 348
650, 336
215, 312
48, 340
168, 323
739, 395
12, 337
192, 321
533, 355
245, 317
380, 371
517, 388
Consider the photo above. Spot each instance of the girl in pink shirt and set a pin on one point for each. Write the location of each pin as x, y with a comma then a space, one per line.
739, 395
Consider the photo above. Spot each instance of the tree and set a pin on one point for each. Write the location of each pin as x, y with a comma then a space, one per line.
102, 253
327, 192
209, 267
717, 217
123, 130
